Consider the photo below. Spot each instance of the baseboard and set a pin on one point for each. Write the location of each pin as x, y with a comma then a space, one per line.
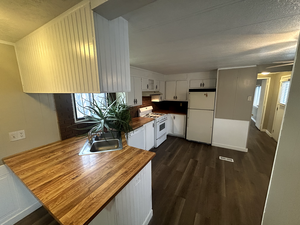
268, 133
148, 218
253, 119
22, 214
230, 147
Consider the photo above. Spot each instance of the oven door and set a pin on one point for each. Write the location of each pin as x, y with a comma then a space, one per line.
161, 128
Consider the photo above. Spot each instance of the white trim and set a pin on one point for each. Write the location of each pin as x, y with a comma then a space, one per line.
7, 43
265, 101
148, 218
237, 67
230, 147
253, 119
22, 214
268, 133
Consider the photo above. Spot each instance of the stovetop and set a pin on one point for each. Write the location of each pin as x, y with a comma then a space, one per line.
153, 115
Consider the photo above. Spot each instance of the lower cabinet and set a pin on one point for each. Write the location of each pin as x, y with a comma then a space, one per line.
133, 204
176, 125
149, 135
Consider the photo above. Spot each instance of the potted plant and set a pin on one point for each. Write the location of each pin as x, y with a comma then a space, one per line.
111, 116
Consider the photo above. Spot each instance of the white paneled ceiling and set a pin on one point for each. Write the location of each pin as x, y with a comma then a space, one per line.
180, 36
20, 17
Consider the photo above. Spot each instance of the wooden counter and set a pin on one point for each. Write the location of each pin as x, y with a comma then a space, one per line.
139, 121
75, 188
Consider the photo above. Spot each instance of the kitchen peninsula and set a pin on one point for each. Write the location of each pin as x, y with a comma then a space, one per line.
76, 188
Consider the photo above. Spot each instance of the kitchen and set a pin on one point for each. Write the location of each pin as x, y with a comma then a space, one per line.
38, 109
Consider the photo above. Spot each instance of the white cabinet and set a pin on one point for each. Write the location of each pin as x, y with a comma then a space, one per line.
162, 89
156, 85
176, 90
147, 84
134, 97
149, 135
176, 125
202, 83
133, 204
77, 52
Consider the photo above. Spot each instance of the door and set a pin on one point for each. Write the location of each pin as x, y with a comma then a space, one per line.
138, 90
262, 103
156, 85
145, 85
199, 125
209, 83
202, 100
149, 131
178, 125
170, 90
169, 124
130, 95
280, 108
162, 89
181, 90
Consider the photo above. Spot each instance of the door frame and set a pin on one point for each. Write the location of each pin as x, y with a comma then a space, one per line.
282, 79
265, 101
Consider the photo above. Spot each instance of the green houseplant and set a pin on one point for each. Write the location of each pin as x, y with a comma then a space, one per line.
107, 116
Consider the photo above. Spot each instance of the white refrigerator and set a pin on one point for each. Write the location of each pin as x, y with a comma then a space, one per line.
200, 117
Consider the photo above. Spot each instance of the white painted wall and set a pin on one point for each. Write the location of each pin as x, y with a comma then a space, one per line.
231, 134
283, 199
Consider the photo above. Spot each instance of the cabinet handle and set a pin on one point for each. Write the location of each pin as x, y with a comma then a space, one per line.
200, 84
136, 101
174, 117
156, 86
147, 86
153, 124
203, 84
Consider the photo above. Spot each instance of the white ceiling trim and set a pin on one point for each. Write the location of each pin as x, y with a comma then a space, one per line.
7, 43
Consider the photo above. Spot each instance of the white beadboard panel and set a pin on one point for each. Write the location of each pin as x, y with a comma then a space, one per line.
231, 134
107, 216
60, 56
16, 201
134, 202
112, 45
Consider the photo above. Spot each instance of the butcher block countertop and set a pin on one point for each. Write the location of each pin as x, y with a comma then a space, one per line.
139, 121
75, 188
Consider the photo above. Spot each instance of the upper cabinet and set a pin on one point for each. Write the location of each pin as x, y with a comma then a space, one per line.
147, 84
77, 52
134, 97
202, 83
176, 90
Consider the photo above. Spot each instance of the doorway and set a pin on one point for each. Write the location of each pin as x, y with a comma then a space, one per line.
260, 101
280, 106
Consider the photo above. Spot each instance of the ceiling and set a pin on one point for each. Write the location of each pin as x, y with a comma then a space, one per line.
182, 36
20, 17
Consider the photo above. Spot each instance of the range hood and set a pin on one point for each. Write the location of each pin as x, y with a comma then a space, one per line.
150, 93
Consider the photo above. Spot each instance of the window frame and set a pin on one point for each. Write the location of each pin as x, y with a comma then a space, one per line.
91, 98
256, 98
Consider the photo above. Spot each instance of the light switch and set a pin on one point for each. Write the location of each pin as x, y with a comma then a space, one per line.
249, 98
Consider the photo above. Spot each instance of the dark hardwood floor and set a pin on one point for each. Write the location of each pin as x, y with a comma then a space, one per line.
192, 186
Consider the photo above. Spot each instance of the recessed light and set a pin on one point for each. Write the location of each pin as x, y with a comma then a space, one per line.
265, 73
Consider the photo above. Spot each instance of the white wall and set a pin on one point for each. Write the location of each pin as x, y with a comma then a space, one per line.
283, 199
192, 76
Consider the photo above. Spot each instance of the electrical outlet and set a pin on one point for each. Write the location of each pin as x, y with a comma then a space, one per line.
13, 136
21, 134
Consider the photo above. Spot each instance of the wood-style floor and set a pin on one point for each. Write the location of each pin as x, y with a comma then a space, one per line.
192, 186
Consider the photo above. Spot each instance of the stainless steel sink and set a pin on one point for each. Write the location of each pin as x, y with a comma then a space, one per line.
106, 143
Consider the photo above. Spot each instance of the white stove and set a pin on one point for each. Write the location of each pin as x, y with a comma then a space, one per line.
160, 122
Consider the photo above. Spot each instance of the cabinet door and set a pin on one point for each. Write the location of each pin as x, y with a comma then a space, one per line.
170, 90
209, 83
179, 125
149, 135
162, 89
156, 85
170, 124
195, 84
145, 84
130, 96
181, 90
138, 90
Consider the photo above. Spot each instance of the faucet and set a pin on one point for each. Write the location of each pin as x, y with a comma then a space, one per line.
91, 135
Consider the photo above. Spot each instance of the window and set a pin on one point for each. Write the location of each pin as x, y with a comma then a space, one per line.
82, 100
285, 86
257, 96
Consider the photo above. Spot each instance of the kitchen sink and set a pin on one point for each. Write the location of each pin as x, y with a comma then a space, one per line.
106, 143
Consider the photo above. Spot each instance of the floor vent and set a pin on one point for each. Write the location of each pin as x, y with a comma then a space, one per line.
226, 159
